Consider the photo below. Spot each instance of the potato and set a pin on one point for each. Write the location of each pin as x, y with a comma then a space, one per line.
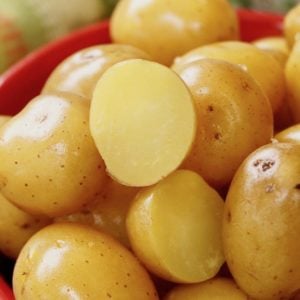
291, 25
251, 59
174, 227
143, 121
49, 162
108, 212
278, 43
290, 134
292, 73
80, 72
166, 29
214, 289
261, 224
16, 227
234, 118
74, 261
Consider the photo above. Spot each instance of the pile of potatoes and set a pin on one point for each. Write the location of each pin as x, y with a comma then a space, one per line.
165, 165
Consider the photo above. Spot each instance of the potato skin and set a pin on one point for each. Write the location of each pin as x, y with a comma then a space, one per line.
16, 227
166, 29
291, 25
261, 224
49, 163
234, 118
74, 261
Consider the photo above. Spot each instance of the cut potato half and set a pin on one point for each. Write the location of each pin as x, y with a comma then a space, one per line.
143, 121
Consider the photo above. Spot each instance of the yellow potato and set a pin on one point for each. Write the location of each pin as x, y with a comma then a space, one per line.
49, 163
80, 72
273, 43
290, 134
166, 29
292, 73
214, 289
251, 59
261, 224
143, 121
74, 261
291, 25
174, 227
234, 118
108, 212
16, 227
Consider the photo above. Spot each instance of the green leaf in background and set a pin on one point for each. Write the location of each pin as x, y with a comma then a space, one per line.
243, 3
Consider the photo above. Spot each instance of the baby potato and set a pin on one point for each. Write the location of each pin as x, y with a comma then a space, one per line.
80, 72
217, 288
292, 73
108, 212
16, 227
290, 134
143, 121
234, 118
291, 25
261, 224
166, 29
74, 261
49, 162
174, 227
251, 59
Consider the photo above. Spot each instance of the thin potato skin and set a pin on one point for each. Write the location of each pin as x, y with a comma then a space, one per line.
49, 163
166, 29
289, 135
234, 118
80, 72
261, 223
75, 261
251, 59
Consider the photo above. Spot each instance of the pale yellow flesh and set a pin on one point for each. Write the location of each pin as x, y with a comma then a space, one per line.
175, 228
215, 289
142, 120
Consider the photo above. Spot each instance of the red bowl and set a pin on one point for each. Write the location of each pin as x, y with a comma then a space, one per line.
25, 79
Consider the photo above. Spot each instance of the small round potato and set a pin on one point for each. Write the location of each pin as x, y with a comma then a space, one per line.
16, 227
234, 118
166, 29
49, 163
74, 261
251, 59
214, 289
80, 72
261, 225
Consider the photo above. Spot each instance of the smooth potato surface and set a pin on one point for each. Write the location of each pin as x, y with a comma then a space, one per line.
73, 261
261, 224
80, 72
49, 162
166, 29
234, 118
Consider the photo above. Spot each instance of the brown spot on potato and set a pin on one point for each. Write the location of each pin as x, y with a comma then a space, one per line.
218, 135
270, 188
210, 108
246, 87
264, 164
229, 217
25, 226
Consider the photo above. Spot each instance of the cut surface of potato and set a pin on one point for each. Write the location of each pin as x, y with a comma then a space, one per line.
143, 121
175, 228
